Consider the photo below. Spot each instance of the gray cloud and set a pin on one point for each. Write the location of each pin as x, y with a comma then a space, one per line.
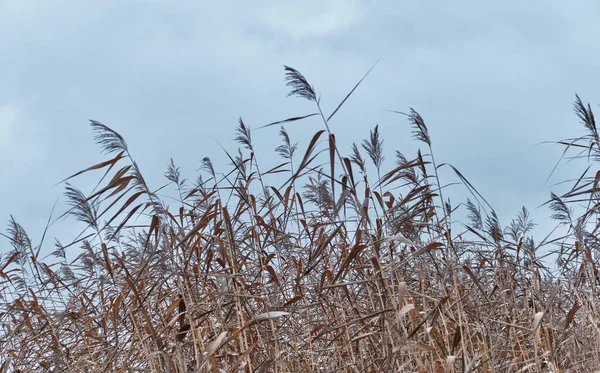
490, 79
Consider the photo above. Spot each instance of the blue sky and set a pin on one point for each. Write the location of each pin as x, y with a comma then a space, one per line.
491, 80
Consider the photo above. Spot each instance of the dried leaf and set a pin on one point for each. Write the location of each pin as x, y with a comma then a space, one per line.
214, 345
406, 309
270, 315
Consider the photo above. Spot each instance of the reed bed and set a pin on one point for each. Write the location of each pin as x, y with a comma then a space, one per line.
325, 263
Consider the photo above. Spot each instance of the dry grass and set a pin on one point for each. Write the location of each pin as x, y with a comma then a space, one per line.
345, 267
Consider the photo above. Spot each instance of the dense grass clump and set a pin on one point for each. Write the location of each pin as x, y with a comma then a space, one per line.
315, 265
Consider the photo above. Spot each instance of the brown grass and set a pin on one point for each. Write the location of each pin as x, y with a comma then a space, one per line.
340, 269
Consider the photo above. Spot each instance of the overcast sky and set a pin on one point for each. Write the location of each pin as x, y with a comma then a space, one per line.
491, 80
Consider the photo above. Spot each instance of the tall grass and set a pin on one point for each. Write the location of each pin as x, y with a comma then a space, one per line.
324, 263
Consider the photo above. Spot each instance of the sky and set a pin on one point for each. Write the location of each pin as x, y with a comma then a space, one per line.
492, 80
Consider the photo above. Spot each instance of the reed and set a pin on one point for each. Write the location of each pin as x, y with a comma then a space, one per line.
325, 263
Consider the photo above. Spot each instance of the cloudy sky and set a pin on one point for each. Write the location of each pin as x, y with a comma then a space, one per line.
491, 79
